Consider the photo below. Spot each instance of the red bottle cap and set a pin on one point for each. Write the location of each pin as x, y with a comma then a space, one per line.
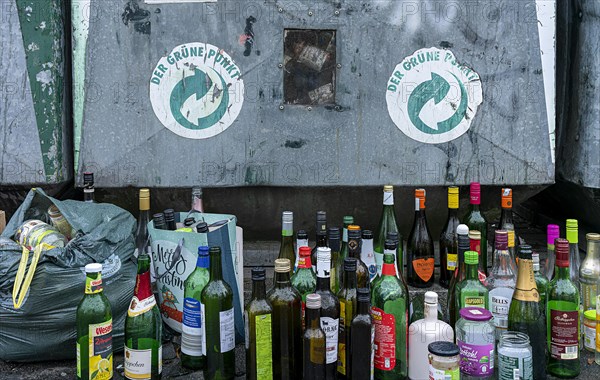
561, 249
304, 257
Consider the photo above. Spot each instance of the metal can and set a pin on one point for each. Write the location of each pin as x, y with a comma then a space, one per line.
475, 336
444, 361
35, 232
589, 330
515, 358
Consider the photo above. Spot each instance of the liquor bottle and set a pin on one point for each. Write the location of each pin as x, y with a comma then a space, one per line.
348, 221
389, 309
193, 336
158, 220
354, 248
88, 187
301, 241
448, 253
287, 324
304, 280
541, 282
143, 329
347, 298
286, 250
170, 219
419, 249
507, 224
387, 224
423, 332
367, 254
258, 318
321, 236
552, 234
574, 258
589, 273
94, 329
501, 283
562, 317
475, 245
334, 243
462, 243
470, 292
330, 311
313, 340
361, 341
477, 222
197, 204
217, 299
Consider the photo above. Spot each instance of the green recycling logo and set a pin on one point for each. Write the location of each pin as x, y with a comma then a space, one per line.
432, 98
197, 90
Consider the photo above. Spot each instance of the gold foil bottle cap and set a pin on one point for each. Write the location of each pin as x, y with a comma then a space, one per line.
388, 188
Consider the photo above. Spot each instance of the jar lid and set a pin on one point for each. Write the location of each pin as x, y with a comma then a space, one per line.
590, 314
475, 314
442, 348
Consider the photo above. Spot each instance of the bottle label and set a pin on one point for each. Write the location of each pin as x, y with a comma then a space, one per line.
192, 334
138, 364
476, 360
227, 330
515, 368
324, 268
388, 198
564, 334
137, 306
526, 289
440, 374
511, 238
299, 243
100, 350
93, 286
330, 326
500, 303
588, 294
424, 268
341, 368
385, 339
264, 355
451, 261
473, 301
589, 334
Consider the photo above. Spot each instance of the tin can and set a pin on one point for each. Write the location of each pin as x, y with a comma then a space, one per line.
515, 358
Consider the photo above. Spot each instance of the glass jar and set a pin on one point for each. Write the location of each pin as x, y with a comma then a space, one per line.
475, 335
589, 330
515, 358
444, 361
59, 221
35, 232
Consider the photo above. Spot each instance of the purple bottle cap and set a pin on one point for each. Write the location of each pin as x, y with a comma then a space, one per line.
553, 233
475, 314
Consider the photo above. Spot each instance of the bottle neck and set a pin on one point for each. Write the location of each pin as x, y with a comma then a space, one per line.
323, 274
93, 283
321, 240
452, 213
388, 269
216, 272
562, 273
354, 247
593, 250
304, 262
143, 288
282, 280
313, 317
350, 279
463, 246
364, 308
388, 200
502, 262
431, 311
287, 229
143, 220
258, 289
474, 207
471, 272
88, 195
525, 278
345, 234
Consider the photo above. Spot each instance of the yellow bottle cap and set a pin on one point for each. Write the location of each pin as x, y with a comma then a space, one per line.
144, 199
453, 197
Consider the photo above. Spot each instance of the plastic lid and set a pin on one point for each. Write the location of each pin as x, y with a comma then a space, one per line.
301, 234
282, 265
443, 348
304, 251
431, 297
471, 257
203, 250
144, 193
350, 264
258, 274
590, 314
525, 252
592, 236
475, 314
367, 234
363, 295
313, 301
203, 259
93, 268
348, 219
388, 189
287, 216
462, 229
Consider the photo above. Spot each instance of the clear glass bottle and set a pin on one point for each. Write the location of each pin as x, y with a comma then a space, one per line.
501, 283
541, 282
35, 232
574, 257
475, 337
589, 272
197, 203
367, 254
59, 221
553, 233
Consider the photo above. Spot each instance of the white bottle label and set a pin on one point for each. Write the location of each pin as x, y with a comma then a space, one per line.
227, 330
388, 198
331, 327
193, 337
138, 363
499, 299
299, 243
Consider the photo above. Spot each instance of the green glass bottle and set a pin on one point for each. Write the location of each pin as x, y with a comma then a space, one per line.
448, 240
193, 336
143, 329
525, 312
477, 222
313, 340
420, 253
286, 324
354, 248
217, 298
363, 334
304, 280
330, 311
562, 318
463, 244
470, 292
389, 309
347, 298
387, 224
258, 318
334, 243
94, 329
541, 282
286, 249
348, 221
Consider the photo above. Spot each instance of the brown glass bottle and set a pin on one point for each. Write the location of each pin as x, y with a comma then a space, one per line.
419, 249
313, 340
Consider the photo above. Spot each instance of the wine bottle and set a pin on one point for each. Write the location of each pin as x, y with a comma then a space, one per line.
507, 224
258, 317
354, 249
419, 249
193, 335
367, 255
477, 222
287, 324
334, 242
387, 224
348, 221
88, 187
393, 236
462, 243
552, 234
330, 311
321, 236
301, 241
574, 258
501, 283
475, 246
217, 298
541, 282
313, 340
286, 250
389, 309
448, 253
589, 273
470, 292
141, 234
143, 329
347, 298
197, 203
562, 317
362, 338
304, 280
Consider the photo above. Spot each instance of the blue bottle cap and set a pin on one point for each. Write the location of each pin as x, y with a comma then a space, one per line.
203, 259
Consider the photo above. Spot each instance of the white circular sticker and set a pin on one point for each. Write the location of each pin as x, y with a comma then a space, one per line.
431, 97
197, 90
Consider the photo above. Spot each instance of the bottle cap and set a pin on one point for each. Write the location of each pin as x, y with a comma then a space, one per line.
144, 200
363, 295
431, 297
144, 193
203, 250
287, 217
348, 220
462, 229
525, 252
420, 193
93, 268
506, 197
476, 235
572, 223
321, 216
214, 250
258, 274
471, 257
388, 189
203, 258
301, 235
354, 234
323, 254
353, 227
304, 252
501, 239
392, 235
333, 233
189, 221
475, 314
202, 227
453, 197
282, 266
313, 301
592, 236
572, 232
390, 245
169, 214
88, 179
561, 249
350, 264
367, 235
443, 349
590, 314
321, 225
197, 191
475, 193
553, 233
